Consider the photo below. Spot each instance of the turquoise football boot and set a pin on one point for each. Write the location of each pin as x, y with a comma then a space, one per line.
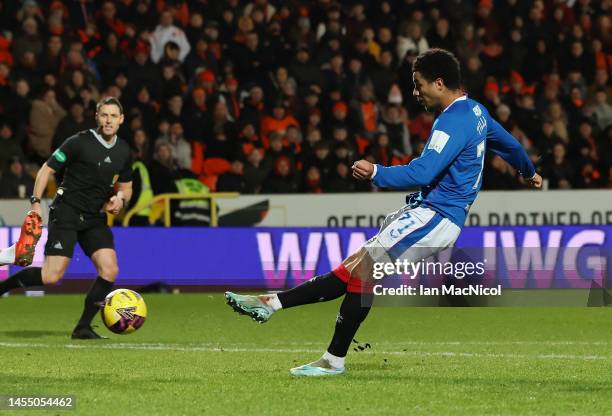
250, 305
319, 368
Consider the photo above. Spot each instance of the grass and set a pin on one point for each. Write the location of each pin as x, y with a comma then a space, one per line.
195, 356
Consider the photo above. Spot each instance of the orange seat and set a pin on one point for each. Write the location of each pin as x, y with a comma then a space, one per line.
210, 181
362, 145
215, 166
197, 157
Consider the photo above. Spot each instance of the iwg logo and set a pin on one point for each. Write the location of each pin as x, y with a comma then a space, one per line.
547, 259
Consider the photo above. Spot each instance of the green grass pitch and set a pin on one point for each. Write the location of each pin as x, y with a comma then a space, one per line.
194, 355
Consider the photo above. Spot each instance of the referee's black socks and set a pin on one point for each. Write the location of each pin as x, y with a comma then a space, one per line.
318, 289
93, 301
28, 277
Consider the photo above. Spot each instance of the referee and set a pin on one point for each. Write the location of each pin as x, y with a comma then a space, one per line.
93, 162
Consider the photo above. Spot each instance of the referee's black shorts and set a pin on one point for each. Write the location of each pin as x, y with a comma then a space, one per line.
67, 226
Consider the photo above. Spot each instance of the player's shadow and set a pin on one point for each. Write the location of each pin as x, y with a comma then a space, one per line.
32, 334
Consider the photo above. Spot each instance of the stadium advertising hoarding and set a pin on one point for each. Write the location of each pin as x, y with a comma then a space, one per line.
492, 208
276, 258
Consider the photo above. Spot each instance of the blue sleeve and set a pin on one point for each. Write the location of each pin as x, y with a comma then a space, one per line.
443, 146
502, 143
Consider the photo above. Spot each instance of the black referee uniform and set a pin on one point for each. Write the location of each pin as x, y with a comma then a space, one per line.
91, 168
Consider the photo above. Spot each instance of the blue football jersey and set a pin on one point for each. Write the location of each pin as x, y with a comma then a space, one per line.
449, 171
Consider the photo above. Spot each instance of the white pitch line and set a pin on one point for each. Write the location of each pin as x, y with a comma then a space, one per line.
203, 348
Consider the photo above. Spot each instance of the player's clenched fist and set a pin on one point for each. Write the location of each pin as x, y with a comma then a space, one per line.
362, 170
535, 182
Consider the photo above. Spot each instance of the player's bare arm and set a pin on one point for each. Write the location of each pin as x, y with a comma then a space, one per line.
42, 180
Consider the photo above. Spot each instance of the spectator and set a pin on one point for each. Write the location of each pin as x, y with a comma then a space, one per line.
16, 182
163, 170
498, 175
256, 170
312, 181
411, 39
602, 110
281, 180
277, 122
29, 40
10, 145
181, 150
341, 179
165, 32
233, 180
111, 60
76, 83
44, 118
394, 122
141, 146
72, 123
558, 169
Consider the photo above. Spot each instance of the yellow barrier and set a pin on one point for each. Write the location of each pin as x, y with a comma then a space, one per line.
166, 198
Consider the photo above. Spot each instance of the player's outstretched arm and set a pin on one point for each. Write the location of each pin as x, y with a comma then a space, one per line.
443, 145
502, 143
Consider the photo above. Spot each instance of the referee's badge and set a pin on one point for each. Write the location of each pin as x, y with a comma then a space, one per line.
59, 156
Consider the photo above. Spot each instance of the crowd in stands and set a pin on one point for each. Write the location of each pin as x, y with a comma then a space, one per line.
267, 96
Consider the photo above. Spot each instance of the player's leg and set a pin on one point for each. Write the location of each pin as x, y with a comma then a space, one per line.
318, 289
31, 230
322, 288
7, 255
98, 244
22, 252
52, 272
58, 251
412, 236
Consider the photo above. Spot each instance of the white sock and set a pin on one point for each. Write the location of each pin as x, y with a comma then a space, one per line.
336, 362
7, 255
274, 302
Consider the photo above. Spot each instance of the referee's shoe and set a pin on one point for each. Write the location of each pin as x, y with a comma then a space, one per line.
31, 230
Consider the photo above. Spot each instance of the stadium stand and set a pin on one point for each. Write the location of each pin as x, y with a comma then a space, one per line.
271, 96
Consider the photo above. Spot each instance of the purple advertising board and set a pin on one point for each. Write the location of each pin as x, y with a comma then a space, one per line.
276, 258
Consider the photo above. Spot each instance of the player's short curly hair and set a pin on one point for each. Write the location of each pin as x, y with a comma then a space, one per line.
439, 63
109, 101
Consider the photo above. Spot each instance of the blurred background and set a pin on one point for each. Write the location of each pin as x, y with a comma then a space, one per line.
250, 113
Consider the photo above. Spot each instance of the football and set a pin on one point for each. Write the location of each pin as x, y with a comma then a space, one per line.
124, 311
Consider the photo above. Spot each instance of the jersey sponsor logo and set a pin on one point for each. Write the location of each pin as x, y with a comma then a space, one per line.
107, 160
438, 140
58, 245
59, 156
